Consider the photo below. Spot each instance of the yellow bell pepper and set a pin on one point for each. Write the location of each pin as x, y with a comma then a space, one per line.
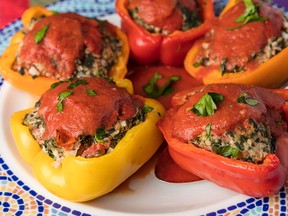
81, 179
39, 85
270, 74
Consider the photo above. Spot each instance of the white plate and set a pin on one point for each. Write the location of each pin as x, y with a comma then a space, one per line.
141, 194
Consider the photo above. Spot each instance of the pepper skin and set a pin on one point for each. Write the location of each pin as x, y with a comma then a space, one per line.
39, 85
270, 74
81, 179
256, 180
148, 48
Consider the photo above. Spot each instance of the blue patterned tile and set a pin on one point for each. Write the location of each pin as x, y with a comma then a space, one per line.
100, 8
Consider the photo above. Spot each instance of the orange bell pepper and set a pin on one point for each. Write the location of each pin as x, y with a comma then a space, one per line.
270, 74
39, 85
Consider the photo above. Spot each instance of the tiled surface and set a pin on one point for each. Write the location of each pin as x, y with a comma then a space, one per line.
16, 198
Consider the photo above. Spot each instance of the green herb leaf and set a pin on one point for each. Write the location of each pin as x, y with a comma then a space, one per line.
38, 37
91, 92
100, 134
196, 64
77, 83
226, 151
206, 106
250, 14
166, 88
147, 109
154, 91
61, 97
243, 98
217, 98
208, 129
54, 85
21, 71
111, 80
151, 87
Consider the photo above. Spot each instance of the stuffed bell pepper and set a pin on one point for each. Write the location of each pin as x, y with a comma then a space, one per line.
233, 135
247, 44
86, 136
55, 46
164, 30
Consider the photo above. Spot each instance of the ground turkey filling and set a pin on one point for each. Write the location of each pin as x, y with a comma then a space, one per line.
164, 17
245, 125
94, 130
68, 45
232, 48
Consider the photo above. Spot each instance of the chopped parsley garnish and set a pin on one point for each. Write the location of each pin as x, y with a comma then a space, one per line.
91, 92
196, 64
147, 109
226, 151
111, 80
21, 71
206, 106
77, 83
250, 14
243, 98
38, 37
208, 129
61, 97
154, 91
100, 134
54, 85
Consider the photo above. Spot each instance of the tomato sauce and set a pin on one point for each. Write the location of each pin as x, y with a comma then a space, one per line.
186, 125
166, 169
161, 13
238, 44
82, 113
140, 76
65, 41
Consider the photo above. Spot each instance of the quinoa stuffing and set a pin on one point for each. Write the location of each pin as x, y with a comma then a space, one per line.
236, 121
244, 46
190, 17
249, 142
84, 145
102, 139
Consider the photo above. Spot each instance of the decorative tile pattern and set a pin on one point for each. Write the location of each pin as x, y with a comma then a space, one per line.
16, 198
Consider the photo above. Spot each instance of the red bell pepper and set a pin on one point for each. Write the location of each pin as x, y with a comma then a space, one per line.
257, 180
171, 49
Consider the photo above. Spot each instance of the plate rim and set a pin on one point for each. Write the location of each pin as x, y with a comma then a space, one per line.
4, 86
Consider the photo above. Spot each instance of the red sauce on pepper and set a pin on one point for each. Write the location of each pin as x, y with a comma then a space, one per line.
67, 37
162, 13
82, 113
239, 45
186, 125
